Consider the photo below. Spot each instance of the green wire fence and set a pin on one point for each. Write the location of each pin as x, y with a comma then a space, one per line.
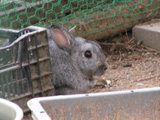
92, 18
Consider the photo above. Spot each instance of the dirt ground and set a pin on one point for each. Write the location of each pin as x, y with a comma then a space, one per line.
133, 71
130, 66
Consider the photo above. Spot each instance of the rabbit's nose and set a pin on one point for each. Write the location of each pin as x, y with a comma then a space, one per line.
105, 66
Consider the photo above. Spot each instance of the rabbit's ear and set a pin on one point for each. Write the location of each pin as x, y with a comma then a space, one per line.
60, 38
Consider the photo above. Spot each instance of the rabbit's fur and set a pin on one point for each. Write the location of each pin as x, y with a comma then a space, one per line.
75, 61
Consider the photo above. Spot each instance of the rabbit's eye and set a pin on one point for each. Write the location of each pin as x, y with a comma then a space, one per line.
88, 54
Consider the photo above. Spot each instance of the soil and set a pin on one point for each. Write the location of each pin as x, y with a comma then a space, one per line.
135, 66
27, 117
130, 66
135, 70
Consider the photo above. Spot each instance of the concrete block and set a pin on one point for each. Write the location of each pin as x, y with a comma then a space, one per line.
149, 34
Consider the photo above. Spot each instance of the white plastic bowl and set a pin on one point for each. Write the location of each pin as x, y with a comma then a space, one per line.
10, 110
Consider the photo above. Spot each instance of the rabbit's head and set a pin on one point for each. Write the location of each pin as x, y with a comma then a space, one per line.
86, 56
89, 57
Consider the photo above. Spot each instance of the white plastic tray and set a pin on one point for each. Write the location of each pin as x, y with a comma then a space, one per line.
139, 104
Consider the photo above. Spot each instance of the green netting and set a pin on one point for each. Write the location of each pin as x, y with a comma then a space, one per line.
91, 16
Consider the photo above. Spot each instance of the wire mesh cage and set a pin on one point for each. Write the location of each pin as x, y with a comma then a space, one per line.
95, 19
25, 70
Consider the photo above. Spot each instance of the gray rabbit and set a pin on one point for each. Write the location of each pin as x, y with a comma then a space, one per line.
75, 61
